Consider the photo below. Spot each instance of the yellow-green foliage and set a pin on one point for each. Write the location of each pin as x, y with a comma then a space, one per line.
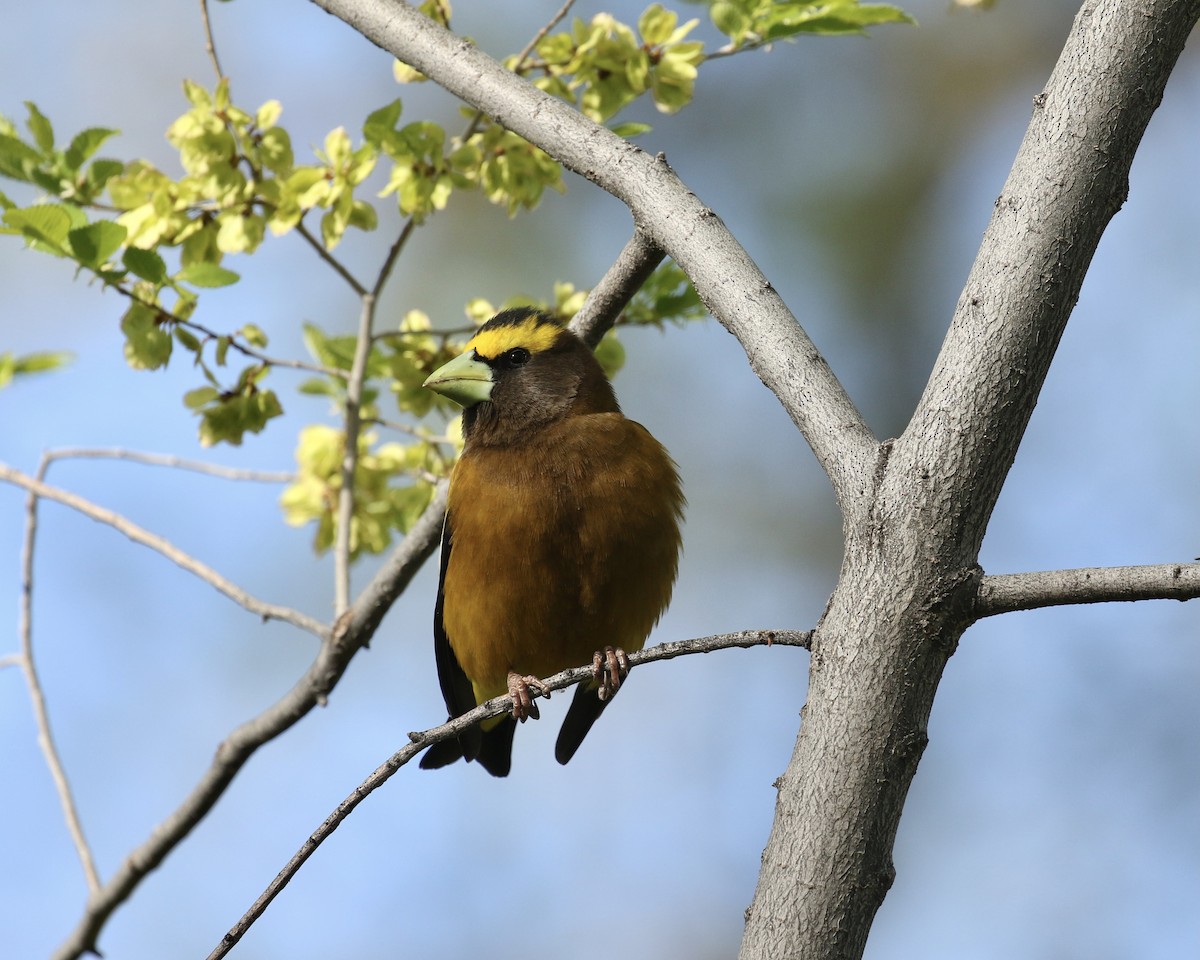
161, 240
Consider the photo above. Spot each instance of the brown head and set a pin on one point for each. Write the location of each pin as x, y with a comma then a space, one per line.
522, 371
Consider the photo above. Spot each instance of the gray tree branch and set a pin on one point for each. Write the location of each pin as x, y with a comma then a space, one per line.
268, 611
910, 575
1009, 592
37, 696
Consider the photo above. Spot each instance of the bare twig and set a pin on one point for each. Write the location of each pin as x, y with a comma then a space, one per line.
393, 254
616, 288
209, 45
168, 460
1009, 592
353, 424
37, 696
553, 22
492, 708
267, 611
330, 259
11, 660
409, 430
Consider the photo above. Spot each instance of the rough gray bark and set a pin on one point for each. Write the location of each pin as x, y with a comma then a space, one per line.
909, 577
915, 510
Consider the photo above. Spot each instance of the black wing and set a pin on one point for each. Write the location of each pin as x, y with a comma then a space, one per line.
456, 687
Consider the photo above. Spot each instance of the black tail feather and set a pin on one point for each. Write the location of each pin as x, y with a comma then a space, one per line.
586, 708
492, 748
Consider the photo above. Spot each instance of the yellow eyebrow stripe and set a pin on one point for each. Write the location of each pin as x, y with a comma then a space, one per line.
535, 336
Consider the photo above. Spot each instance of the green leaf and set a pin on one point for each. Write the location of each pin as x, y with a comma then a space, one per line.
85, 143
253, 334
195, 399
335, 352
17, 158
231, 417
730, 20
207, 275
145, 264
186, 339
380, 125
317, 388
95, 243
656, 25
42, 362
667, 296
147, 343
13, 366
39, 126
276, 149
196, 94
100, 172
631, 130
363, 216
841, 17
268, 114
46, 226
610, 353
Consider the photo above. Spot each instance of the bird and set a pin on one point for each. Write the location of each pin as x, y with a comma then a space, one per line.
562, 534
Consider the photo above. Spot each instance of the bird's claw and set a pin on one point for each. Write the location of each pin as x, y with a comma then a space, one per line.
609, 667
524, 706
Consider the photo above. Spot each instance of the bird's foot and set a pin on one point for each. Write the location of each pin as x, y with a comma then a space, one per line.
524, 706
609, 667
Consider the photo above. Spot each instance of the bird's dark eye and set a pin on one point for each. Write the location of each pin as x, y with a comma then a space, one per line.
516, 356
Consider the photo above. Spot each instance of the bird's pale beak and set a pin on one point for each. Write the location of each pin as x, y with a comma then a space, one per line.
465, 380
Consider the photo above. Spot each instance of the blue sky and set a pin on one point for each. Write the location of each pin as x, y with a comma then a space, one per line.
1054, 811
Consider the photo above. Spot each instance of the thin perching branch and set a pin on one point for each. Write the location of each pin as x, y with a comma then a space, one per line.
393, 254
337, 265
37, 696
268, 611
209, 45
492, 708
342, 547
1006, 593
172, 461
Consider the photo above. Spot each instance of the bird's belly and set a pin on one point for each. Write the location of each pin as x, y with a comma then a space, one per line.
558, 553
555, 601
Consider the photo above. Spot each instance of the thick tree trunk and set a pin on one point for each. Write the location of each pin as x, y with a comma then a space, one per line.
909, 579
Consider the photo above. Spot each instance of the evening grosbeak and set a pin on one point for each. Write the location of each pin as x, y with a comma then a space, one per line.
561, 540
